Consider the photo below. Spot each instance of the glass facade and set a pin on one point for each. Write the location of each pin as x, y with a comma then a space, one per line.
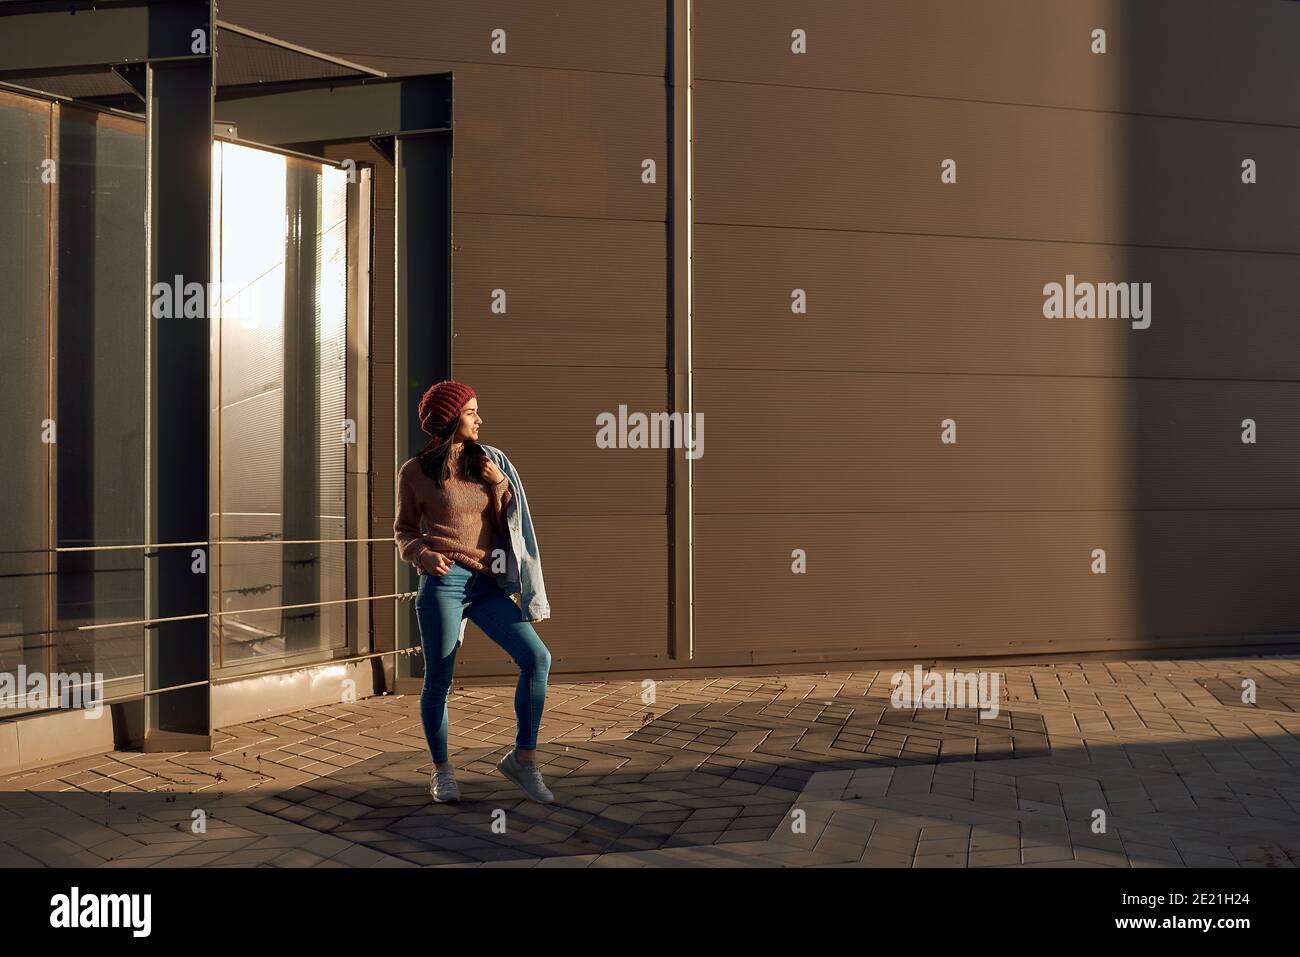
73, 402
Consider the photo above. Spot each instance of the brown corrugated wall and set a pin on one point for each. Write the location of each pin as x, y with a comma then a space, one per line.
821, 171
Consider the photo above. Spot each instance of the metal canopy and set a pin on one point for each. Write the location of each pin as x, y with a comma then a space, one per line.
181, 62
244, 58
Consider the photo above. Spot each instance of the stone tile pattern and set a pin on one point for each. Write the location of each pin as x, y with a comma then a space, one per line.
788, 771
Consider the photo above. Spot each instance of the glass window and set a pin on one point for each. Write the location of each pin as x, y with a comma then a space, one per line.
25, 203
100, 348
280, 383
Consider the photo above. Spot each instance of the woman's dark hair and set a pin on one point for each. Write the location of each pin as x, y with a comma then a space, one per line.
433, 457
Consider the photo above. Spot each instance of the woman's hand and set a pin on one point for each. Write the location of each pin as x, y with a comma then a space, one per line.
435, 563
491, 473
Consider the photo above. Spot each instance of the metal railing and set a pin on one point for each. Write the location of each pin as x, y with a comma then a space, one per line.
153, 622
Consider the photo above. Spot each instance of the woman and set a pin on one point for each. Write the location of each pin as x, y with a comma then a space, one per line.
480, 548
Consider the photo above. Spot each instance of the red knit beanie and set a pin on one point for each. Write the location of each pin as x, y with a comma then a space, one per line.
442, 403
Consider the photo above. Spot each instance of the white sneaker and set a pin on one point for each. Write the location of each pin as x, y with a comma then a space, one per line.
442, 784
527, 776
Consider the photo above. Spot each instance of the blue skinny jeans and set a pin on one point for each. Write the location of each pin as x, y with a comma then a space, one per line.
441, 601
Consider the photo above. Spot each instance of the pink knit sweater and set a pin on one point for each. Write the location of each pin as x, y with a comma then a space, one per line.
465, 519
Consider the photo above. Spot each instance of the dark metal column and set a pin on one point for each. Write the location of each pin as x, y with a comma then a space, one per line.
423, 323
179, 122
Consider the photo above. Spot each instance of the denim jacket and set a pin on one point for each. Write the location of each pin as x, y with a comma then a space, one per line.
523, 572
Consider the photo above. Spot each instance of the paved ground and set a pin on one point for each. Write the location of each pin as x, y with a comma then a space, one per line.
718, 772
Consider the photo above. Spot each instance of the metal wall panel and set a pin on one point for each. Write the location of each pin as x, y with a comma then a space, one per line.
608, 592
551, 208
846, 442
559, 143
1201, 58
925, 301
909, 586
577, 292
600, 514
626, 36
544, 419
782, 156
900, 303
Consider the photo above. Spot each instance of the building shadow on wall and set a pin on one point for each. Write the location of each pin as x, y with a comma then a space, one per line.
1214, 531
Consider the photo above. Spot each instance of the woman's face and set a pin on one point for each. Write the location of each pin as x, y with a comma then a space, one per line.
467, 427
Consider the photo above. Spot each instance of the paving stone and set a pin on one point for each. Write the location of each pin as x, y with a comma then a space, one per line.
188, 860
940, 860
1045, 853
999, 857
711, 776
13, 857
